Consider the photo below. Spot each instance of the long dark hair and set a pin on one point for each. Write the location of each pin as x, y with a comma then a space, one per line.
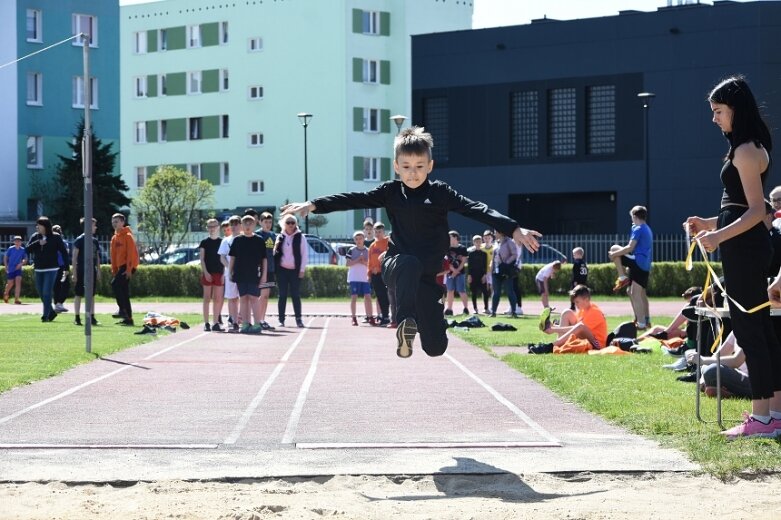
46, 223
747, 123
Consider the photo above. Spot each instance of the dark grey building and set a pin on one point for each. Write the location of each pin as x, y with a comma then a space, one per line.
542, 121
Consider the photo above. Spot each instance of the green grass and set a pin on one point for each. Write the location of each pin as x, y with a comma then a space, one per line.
635, 392
32, 350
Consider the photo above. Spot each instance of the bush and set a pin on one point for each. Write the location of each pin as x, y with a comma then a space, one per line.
330, 281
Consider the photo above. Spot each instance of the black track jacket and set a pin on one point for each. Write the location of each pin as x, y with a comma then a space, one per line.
418, 217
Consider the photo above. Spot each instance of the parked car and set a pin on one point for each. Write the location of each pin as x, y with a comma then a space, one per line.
544, 255
320, 251
341, 249
179, 256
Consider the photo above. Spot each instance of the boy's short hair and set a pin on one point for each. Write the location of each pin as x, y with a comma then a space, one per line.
578, 251
413, 141
640, 212
368, 221
247, 218
251, 212
488, 232
266, 216
234, 219
359, 232
119, 216
17, 237
212, 221
691, 292
225, 223
476, 237
81, 221
454, 234
379, 225
580, 290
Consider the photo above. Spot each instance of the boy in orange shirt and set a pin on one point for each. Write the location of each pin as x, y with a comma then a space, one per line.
587, 323
377, 248
124, 262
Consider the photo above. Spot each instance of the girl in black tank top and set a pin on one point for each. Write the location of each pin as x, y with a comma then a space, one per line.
740, 234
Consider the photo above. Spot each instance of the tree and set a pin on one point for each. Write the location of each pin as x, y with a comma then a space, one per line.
317, 221
108, 188
168, 205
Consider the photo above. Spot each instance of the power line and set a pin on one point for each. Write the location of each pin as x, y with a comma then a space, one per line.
42, 50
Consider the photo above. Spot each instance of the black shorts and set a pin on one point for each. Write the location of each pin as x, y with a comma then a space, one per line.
78, 288
636, 274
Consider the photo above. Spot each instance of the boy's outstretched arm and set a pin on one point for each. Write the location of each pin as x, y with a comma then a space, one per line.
300, 208
527, 238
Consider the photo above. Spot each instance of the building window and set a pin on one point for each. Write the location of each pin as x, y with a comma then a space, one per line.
34, 25
162, 40
371, 120
139, 42
255, 44
139, 132
256, 92
562, 122
371, 169
87, 24
524, 113
193, 36
141, 89
223, 33
195, 170
372, 213
140, 176
195, 126
601, 119
225, 176
371, 71
194, 82
224, 126
256, 187
34, 151
371, 22
162, 131
224, 83
79, 94
436, 121
163, 87
255, 139
34, 88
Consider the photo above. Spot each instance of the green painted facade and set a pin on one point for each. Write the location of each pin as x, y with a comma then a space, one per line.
338, 60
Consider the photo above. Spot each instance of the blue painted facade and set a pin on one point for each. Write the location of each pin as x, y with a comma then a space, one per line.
464, 84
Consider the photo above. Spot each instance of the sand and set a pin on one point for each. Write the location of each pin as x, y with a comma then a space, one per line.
495, 497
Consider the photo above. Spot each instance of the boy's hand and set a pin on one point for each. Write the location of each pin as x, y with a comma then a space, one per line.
527, 238
301, 208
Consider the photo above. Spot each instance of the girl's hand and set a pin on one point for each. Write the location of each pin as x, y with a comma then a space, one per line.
774, 292
695, 225
710, 240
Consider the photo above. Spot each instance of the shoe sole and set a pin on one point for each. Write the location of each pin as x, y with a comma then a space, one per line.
545, 319
405, 335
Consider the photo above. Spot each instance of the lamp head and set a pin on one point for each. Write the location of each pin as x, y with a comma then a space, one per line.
304, 117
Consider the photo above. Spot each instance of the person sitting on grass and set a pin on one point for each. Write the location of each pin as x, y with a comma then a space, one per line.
686, 316
734, 372
578, 332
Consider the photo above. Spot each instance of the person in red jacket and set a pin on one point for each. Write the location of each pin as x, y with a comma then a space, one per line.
124, 262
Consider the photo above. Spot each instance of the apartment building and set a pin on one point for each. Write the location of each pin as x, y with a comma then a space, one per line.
215, 86
42, 97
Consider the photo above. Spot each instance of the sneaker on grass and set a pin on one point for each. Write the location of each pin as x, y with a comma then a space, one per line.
405, 336
752, 427
545, 319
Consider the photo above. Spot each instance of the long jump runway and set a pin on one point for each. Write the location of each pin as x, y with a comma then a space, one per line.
327, 399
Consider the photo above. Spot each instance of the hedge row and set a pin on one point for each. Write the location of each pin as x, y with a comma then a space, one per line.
667, 279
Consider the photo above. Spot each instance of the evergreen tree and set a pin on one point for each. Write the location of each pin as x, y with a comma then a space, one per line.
108, 188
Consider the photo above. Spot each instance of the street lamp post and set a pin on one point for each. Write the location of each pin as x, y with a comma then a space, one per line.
304, 117
646, 98
399, 120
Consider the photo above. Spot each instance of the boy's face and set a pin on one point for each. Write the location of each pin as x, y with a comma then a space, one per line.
478, 243
577, 254
266, 224
117, 224
213, 229
453, 241
488, 239
582, 302
359, 240
235, 228
379, 233
248, 226
17, 244
413, 169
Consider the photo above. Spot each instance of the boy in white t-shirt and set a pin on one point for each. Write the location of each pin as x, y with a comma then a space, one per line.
545, 273
358, 276
231, 291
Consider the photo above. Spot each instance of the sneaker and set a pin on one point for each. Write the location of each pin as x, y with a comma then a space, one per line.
281, 323
355, 321
384, 322
545, 319
266, 326
94, 321
621, 283
234, 328
681, 364
207, 327
448, 312
216, 327
17, 302
492, 315
519, 312
466, 312
299, 323
777, 424
126, 322
710, 391
52, 315
255, 329
60, 308
691, 377
541, 348
77, 320
246, 328
118, 315
147, 330
750, 427
392, 325
372, 321
405, 335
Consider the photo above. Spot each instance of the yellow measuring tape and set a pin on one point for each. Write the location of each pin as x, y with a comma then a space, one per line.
712, 275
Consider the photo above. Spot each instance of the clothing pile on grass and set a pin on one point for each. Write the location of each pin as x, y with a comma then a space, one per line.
473, 322
154, 321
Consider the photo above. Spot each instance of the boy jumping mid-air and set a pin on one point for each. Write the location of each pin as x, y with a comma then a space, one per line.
417, 208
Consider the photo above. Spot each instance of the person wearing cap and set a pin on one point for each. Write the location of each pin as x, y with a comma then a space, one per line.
13, 260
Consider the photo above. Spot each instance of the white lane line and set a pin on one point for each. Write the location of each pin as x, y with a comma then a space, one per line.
253, 406
84, 385
295, 415
424, 445
109, 446
506, 402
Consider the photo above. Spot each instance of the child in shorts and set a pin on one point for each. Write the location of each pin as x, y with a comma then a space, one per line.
13, 260
357, 277
248, 264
